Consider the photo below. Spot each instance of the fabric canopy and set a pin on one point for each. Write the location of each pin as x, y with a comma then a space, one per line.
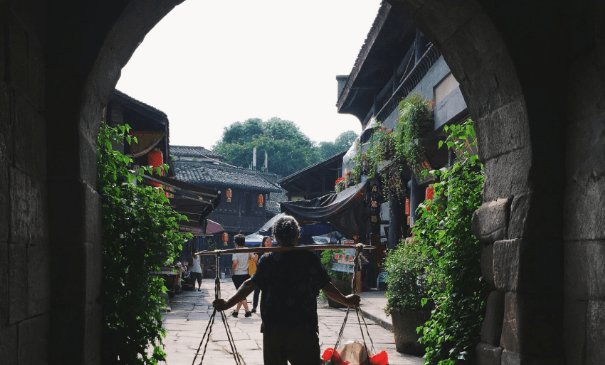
346, 211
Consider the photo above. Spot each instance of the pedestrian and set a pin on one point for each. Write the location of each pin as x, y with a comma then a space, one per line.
196, 272
240, 273
265, 243
290, 282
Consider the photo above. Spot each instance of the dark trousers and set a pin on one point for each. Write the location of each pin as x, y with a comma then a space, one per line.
297, 344
255, 299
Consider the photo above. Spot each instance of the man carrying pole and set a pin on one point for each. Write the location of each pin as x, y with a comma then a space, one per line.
290, 283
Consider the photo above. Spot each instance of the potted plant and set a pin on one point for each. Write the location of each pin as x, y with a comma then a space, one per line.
340, 184
407, 291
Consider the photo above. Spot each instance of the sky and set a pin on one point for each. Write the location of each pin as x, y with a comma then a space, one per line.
211, 63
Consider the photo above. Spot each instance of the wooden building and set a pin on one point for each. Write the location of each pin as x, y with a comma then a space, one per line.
245, 194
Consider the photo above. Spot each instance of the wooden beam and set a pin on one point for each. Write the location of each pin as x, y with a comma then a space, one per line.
283, 249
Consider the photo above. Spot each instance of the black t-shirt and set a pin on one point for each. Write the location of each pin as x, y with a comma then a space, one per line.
290, 283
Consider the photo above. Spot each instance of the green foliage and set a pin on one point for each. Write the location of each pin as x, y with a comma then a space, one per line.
415, 116
453, 267
401, 146
342, 143
327, 259
289, 150
407, 282
140, 234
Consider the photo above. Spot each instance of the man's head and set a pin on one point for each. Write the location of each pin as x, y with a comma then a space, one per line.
286, 231
240, 240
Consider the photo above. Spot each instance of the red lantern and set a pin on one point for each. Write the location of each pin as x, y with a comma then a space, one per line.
430, 192
229, 195
260, 200
407, 206
225, 237
155, 159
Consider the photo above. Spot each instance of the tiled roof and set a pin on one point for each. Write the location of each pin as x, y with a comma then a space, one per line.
215, 174
365, 49
336, 157
118, 93
193, 151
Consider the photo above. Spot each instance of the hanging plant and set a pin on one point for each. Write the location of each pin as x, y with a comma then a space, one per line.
415, 121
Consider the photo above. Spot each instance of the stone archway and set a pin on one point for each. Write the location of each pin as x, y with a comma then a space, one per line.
513, 62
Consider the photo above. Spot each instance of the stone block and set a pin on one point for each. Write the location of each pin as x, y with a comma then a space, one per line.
17, 54
68, 320
530, 266
513, 358
595, 332
506, 265
443, 29
487, 264
503, 130
486, 354
80, 215
28, 204
585, 205
30, 140
490, 221
38, 277
585, 98
481, 62
491, 328
575, 331
8, 344
4, 292
34, 340
533, 325
507, 175
584, 276
6, 126
536, 215
70, 267
17, 282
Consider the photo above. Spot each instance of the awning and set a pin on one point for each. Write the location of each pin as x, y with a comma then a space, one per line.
195, 202
346, 211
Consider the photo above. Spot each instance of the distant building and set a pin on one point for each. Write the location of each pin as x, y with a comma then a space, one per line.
315, 180
248, 197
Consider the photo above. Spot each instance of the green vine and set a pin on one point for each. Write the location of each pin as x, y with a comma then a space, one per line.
415, 117
453, 268
140, 234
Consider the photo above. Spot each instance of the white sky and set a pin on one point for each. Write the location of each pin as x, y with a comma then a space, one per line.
208, 64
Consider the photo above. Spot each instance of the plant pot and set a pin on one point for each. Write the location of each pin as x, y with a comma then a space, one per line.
343, 286
405, 323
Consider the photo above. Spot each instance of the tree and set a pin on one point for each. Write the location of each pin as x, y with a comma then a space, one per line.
288, 149
342, 143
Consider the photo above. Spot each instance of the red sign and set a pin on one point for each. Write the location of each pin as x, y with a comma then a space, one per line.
260, 200
229, 195
430, 192
407, 206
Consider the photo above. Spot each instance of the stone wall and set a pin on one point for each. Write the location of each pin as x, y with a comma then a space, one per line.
24, 227
584, 206
532, 73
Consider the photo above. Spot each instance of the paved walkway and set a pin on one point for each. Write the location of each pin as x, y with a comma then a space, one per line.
191, 310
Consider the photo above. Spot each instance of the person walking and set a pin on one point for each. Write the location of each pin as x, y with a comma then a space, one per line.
265, 243
196, 272
290, 282
240, 273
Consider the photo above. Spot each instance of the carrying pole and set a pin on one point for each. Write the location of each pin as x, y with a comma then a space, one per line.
283, 249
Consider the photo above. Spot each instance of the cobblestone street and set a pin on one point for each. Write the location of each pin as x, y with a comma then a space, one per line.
191, 310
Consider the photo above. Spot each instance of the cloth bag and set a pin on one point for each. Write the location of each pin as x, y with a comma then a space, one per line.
251, 265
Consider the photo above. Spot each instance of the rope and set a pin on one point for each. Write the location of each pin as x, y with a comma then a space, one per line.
239, 360
360, 318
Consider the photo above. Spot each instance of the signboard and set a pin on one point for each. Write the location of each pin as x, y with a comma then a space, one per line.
344, 262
